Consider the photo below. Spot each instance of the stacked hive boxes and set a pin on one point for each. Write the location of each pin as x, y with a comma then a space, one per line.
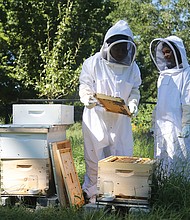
24, 147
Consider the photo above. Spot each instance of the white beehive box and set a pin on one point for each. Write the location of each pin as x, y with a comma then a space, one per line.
131, 176
53, 114
25, 177
28, 141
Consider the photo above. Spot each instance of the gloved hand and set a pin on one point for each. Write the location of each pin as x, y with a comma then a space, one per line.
185, 121
133, 109
92, 102
185, 131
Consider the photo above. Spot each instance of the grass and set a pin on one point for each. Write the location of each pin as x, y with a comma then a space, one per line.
74, 134
170, 196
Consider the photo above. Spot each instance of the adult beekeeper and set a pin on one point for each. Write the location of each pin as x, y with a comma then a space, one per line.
113, 72
172, 112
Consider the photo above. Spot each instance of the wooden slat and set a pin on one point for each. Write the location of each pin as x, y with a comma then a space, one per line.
63, 144
58, 177
71, 180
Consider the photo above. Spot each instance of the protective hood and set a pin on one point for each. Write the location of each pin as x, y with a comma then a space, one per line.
119, 33
178, 49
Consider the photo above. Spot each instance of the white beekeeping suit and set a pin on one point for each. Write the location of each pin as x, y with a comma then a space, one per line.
107, 133
172, 112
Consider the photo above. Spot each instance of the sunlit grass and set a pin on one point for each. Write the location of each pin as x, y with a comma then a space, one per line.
143, 145
74, 134
143, 140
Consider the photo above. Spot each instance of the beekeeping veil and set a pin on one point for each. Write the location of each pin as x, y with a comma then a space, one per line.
178, 49
119, 33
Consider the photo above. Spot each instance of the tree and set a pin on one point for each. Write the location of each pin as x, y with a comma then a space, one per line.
48, 41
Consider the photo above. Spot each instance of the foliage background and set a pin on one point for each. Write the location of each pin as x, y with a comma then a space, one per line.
43, 43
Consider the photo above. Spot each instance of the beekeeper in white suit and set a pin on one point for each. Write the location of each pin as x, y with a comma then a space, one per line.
112, 71
172, 112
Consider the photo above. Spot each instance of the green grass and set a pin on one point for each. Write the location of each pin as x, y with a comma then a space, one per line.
143, 140
74, 134
53, 213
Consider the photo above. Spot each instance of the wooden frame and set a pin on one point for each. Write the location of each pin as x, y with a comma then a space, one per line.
113, 104
70, 176
58, 177
66, 179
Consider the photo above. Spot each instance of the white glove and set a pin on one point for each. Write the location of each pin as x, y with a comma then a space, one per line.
92, 102
185, 131
185, 121
133, 109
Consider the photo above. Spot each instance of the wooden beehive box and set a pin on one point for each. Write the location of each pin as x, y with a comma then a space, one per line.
25, 177
131, 176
